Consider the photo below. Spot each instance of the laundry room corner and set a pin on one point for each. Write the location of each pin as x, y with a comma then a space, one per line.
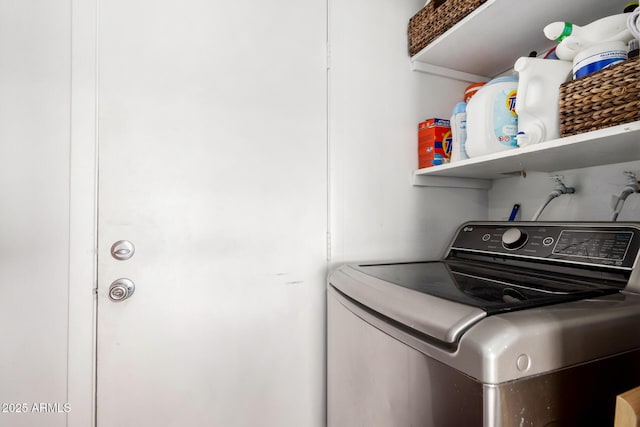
375, 104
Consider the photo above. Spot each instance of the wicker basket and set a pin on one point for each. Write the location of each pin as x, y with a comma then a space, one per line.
436, 18
605, 98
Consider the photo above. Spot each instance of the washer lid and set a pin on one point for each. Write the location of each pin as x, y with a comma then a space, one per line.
490, 287
442, 320
442, 299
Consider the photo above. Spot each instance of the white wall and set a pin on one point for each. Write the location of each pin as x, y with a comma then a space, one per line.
375, 105
35, 61
591, 202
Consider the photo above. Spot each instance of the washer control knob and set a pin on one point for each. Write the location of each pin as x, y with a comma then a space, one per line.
514, 238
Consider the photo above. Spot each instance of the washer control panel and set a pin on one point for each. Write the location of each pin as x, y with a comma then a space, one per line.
603, 244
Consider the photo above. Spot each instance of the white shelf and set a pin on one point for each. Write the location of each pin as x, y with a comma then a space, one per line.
605, 146
490, 40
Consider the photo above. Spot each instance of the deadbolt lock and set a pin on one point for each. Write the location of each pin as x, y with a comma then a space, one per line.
122, 250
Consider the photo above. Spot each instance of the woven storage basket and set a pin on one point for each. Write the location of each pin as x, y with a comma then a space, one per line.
605, 98
436, 18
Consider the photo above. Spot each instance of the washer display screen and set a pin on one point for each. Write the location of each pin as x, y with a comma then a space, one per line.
593, 244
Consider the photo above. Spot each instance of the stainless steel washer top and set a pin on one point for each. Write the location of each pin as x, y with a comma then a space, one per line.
509, 300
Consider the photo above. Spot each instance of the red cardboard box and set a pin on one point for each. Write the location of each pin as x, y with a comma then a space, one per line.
434, 137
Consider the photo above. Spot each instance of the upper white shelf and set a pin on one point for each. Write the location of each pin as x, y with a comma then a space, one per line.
490, 40
616, 144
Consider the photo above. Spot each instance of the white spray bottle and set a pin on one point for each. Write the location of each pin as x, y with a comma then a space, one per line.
574, 38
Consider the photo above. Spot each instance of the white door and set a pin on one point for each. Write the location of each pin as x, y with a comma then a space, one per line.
212, 162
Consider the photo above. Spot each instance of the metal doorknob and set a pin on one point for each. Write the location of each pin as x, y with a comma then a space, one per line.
122, 250
121, 289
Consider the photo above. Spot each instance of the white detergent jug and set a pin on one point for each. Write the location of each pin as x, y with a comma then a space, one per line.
538, 97
492, 122
574, 38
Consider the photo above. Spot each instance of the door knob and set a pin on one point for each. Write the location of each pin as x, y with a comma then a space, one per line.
122, 250
121, 289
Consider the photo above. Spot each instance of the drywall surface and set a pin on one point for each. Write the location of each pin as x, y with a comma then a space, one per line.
34, 235
591, 201
375, 105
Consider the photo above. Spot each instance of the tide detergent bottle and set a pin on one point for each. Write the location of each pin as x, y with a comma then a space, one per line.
492, 122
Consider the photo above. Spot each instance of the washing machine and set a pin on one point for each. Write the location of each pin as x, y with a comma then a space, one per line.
519, 324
